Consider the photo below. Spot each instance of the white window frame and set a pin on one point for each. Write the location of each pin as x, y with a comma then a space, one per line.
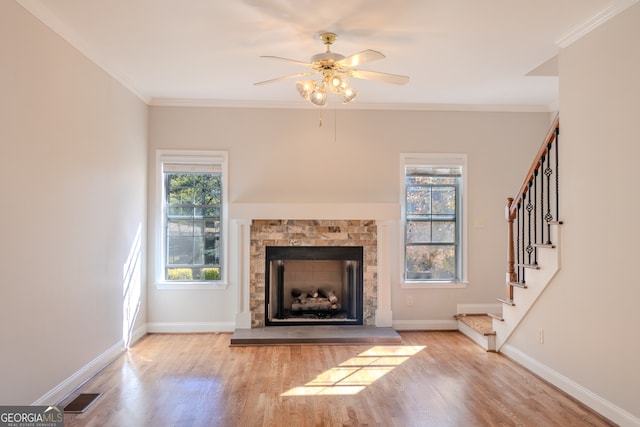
188, 157
434, 159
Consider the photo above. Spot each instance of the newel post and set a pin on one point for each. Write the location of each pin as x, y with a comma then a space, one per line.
511, 271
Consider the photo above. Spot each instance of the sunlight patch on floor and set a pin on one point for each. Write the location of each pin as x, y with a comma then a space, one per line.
354, 375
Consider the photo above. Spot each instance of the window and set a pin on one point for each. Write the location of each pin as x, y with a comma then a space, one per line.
192, 221
433, 217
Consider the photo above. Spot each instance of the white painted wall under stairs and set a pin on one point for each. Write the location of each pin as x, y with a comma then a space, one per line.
525, 298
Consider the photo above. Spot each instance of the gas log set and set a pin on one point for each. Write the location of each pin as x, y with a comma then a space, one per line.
321, 299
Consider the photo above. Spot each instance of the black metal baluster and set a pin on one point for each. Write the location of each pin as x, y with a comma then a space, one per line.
522, 236
534, 199
557, 176
529, 208
548, 172
517, 241
542, 199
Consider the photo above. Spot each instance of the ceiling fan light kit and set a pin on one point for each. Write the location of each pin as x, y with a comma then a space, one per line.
335, 70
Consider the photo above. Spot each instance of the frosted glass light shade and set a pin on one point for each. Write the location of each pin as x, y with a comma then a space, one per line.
349, 95
305, 88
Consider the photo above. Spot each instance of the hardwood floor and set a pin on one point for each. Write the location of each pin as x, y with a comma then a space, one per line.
432, 379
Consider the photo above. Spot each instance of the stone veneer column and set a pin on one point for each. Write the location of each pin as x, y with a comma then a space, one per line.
270, 232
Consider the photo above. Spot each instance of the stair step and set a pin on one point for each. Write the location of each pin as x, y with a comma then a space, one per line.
533, 266
544, 245
479, 328
507, 301
496, 316
518, 284
480, 323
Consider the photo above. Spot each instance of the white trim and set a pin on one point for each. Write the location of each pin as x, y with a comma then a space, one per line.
192, 286
81, 376
189, 157
594, 22
190, 327
433, 285
425, 325
138, 334
577, 391
478, 308
375, 211
298, 105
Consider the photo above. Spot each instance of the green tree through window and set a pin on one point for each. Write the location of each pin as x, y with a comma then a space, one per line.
192, 225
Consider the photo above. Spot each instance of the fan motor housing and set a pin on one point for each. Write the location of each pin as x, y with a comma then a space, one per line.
326, 57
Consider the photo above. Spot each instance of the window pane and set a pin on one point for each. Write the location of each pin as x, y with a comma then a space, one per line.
418, 231
418, 200
444, 200
179, 250
444, 232
193, 225
180, 227
431, 262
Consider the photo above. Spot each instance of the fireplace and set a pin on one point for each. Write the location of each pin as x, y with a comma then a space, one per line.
313, 285
322, 233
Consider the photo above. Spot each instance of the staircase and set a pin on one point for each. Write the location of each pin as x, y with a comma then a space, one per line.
533, 239
479, 328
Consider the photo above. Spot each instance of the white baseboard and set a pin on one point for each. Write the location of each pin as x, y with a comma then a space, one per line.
137, 334
425, 325
384, 318
243, 320
587, 397
63, 389
479, 308
190, 327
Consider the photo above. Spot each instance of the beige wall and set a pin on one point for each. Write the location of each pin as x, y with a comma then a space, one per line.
284, 157
72, 181
590, 312
74, 173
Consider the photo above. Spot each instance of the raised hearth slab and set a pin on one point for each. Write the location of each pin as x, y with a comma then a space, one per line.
320, 334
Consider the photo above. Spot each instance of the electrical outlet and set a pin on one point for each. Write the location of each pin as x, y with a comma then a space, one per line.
410, 300
541, 336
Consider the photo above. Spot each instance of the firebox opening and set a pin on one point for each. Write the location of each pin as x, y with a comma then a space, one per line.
313, 285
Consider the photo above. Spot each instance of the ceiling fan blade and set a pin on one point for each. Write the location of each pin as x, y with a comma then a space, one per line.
293, 76
304, 64
360, 58
395, 79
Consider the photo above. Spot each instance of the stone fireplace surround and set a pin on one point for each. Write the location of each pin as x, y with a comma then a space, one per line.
325, 232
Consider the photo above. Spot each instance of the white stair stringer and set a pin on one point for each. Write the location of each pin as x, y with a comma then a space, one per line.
525, 298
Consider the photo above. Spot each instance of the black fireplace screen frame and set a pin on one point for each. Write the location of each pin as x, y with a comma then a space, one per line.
310, 253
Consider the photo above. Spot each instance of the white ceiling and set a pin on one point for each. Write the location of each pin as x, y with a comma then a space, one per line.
458, 53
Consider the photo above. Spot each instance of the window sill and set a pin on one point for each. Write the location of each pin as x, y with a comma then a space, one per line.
434, 285
190, 286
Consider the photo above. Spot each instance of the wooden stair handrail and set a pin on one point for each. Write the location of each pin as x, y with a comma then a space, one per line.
551, 135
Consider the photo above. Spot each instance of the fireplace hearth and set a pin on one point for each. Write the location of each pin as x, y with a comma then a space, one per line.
313, 285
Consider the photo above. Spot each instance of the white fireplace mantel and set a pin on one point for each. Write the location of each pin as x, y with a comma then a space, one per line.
376, 211
384, 214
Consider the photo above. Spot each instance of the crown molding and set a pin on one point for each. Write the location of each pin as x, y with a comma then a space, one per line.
51, 21
298, 105
594, 22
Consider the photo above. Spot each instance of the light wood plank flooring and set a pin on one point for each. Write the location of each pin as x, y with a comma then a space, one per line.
431, 379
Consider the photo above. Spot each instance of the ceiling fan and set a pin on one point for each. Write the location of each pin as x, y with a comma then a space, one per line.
334, 71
